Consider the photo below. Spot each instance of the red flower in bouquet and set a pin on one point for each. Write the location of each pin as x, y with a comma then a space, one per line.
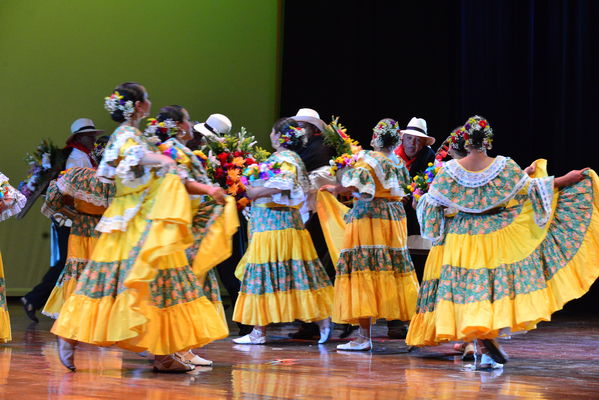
223, 157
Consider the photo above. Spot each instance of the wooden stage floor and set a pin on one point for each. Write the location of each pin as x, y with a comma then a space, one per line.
560, 360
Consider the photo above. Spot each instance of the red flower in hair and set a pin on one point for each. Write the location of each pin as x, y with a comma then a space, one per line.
466, 136
482, 123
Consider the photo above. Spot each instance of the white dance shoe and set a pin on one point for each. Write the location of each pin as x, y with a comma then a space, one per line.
66, 352
325, 327
356, 346
255, 337
192, 358
486, 362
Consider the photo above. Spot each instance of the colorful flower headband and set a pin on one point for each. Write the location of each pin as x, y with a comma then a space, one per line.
167, 127
454, 138
344, 160
291, 135
476, 124
385, 127
116, 102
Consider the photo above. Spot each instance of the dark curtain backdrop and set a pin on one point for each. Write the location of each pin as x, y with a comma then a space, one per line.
530, 67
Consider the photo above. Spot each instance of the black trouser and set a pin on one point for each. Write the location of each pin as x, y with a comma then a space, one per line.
320, 244
226, 269
38, 296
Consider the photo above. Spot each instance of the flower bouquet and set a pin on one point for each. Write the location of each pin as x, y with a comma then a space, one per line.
343, 161
45, 164
226, 158
260, 172
335, 135
422, 181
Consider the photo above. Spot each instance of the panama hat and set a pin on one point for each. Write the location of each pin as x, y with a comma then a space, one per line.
310, 116
417, 127
215, 126
83, 125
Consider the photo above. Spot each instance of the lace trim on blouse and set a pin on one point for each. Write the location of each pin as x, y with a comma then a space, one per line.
475, 179
19, 200
120, 222
132, 156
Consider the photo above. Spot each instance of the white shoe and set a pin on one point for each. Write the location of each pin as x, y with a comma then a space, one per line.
192, 358
355, 346
250, 339
487, 362
325, 330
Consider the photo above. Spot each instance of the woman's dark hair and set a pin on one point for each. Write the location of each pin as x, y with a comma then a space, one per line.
459, 147
173, 112
477, 136
478, 133
130, 91
389, 141
288, 127
388, 134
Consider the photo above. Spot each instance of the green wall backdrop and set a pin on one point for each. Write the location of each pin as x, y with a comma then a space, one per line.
59, 58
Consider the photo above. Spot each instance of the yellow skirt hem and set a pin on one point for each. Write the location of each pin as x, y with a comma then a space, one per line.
287, 306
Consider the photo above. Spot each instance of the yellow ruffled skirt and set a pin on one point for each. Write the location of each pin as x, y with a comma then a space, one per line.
82, 242
282, 280
5, 335
213, 227
139, 291
501, 272
375, 275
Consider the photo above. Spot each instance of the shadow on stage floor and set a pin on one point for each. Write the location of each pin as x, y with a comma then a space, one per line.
558, 360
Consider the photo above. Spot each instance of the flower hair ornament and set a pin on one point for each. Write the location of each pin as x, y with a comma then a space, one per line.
478, 124
117, 102
166, 127
385, 128
292, 136
455, 137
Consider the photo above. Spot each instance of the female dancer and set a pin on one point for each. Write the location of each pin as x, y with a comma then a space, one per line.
83, 198
210, 219
516, 251
138, 290
11, 203
375, 276
283, 279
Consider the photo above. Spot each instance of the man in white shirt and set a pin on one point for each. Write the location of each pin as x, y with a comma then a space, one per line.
80, 142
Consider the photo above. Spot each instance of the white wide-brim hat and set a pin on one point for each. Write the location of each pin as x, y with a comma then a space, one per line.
83, 125
417, 127
215, 126
310, 116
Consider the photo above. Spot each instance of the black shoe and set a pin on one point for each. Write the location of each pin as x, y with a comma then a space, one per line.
495, 351
307, 332
347, 330
396, 329
29, 310
245, 329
